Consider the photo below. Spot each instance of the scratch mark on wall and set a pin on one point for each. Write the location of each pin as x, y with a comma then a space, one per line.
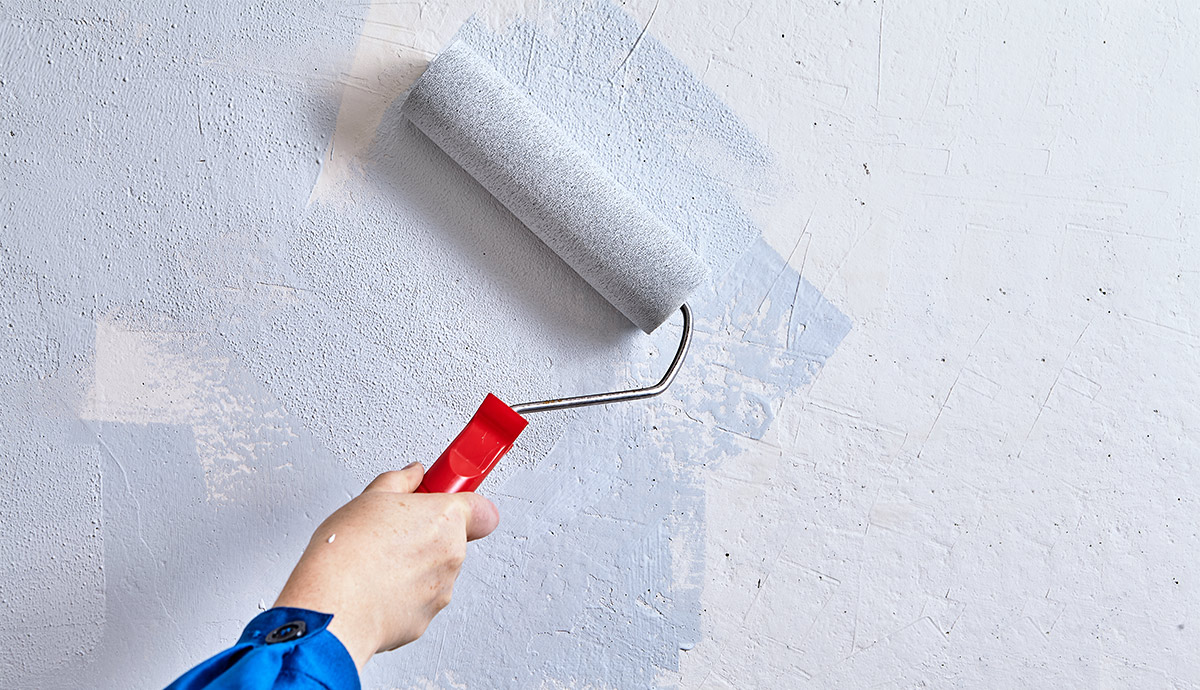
946, 400
1050, 390
636, 42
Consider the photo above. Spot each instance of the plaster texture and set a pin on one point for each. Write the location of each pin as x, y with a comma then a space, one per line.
938, 427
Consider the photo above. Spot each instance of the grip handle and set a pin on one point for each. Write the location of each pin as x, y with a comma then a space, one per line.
476, 450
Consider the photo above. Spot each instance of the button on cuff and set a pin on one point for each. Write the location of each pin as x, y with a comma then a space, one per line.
283, 624
286, 632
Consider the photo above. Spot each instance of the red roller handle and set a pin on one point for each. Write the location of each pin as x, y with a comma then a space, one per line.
476, 449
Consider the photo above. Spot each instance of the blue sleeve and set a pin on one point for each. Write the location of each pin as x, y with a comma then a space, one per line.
280, 648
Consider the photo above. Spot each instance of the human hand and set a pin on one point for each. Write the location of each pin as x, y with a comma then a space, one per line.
385, 563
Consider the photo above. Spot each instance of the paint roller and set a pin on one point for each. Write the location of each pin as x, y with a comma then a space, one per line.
604, 232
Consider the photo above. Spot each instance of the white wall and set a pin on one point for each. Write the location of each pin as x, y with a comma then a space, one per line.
937, 427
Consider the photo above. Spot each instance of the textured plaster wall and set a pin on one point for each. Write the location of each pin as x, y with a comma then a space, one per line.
938, 426
236, 322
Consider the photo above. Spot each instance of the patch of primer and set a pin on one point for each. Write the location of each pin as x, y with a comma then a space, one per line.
762, 333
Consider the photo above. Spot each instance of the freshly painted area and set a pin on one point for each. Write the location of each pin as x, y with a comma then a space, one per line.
937, 427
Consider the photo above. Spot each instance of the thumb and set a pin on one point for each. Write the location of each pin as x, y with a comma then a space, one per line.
482, 516
403, 481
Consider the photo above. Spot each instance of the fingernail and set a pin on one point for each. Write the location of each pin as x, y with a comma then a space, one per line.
411, 465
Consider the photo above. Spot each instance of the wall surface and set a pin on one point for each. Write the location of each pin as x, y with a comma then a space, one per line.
938, 427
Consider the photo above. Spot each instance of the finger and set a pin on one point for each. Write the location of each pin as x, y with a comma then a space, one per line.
481, 514
403, 481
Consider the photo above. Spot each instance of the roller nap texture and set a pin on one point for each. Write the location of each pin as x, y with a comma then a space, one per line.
555, 188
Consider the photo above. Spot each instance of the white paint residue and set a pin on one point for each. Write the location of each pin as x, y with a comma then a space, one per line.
398, 41
331, 538
144, 377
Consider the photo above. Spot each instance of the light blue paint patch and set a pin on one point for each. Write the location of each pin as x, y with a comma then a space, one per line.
597, 570
763, 332
578, 583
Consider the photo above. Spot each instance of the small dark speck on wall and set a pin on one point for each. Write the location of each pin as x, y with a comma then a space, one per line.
866, 169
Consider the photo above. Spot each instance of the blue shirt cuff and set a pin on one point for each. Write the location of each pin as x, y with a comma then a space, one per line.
281, 648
